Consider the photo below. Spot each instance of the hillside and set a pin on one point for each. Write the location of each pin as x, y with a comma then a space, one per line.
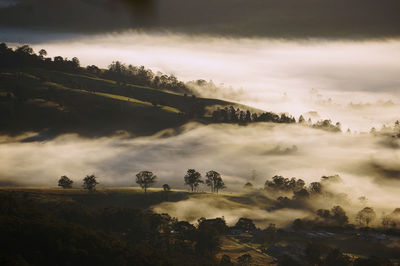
55, 102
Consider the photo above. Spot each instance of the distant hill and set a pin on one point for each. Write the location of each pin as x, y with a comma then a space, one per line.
56, 96
35, 99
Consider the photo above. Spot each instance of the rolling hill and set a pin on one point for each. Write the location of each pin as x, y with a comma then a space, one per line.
55, 102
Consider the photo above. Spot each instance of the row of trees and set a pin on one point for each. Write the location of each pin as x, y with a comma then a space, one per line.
146, 179
25, 56
89, 182
141, 76
393, 131
213, 180
232, 115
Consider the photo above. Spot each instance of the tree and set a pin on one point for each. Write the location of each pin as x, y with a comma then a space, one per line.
42, 53
65, 182
366, 216
193, 179
145, 179
336, 216
245, 224
315, 187
166, 187
301, 120
214, 181
248, 186
90, 182
75, 63
24, 49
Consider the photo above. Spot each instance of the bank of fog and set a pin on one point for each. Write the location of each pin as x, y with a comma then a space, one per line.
368, 166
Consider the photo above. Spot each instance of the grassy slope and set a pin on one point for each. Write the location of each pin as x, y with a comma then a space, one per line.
64, 102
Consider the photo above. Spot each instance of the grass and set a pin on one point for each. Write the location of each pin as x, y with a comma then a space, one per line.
115, 97
234, 249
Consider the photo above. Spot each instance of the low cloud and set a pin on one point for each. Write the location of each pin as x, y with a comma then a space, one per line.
237, 152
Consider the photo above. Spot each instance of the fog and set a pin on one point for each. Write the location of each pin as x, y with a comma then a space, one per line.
354, 82
367, 166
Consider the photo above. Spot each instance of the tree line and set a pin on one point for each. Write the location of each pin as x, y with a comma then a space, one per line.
117, 71
146, 179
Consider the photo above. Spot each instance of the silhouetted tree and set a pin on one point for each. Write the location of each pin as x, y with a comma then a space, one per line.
90, 182
366, 216
301, 119
245, 224
337, 216
145, 179
315, 187
42, 53
65, 182
193, 179
24, 49
214, 181
166, 187
218, 224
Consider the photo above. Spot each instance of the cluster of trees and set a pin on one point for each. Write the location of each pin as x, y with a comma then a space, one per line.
393, 131
298, 186
89, 182
392, 220
325, 124
334, 217
26, 57
142, 76
232, 115
42, 232
213, 180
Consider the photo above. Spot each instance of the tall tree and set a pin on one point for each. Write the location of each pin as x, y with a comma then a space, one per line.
145, 179
214, 181
366, 216
193, 179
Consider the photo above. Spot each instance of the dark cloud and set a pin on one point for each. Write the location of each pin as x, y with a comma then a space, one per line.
262, 18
